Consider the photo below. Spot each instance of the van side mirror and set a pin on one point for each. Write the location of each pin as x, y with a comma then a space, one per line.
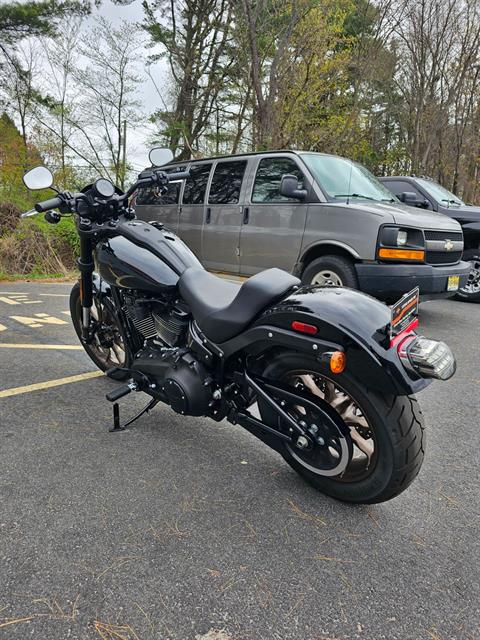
289, 188
410, 198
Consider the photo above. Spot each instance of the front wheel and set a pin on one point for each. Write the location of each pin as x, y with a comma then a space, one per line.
470, 292
385, 434
107, 348
331, 271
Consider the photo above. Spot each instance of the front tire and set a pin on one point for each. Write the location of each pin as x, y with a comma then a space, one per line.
389, 428
471, 291
107, 350
331, 271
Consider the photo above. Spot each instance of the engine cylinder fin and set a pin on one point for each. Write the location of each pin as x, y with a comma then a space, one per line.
145, 326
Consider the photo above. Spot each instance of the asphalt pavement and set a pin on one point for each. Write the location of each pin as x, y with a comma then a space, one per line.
184, 529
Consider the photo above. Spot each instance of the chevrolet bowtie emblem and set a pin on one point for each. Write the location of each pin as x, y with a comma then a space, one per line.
448, 245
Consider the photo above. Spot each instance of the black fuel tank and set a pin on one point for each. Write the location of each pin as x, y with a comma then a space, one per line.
143, 257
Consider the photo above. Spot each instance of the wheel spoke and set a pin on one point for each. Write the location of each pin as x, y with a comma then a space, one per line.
328, 449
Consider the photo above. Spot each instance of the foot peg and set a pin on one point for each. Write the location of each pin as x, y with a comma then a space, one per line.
119, 392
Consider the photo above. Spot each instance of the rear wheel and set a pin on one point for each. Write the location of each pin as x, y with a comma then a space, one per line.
107, 349
471, 291
331, 271
384, 435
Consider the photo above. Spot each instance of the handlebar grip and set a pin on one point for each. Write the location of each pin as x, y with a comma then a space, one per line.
178, 175
46, 205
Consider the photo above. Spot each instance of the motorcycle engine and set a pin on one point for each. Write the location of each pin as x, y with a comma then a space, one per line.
179, 375
154, 319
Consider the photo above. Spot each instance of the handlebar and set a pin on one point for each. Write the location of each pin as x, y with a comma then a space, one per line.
178, 175
149, 179
46, 205
68, 200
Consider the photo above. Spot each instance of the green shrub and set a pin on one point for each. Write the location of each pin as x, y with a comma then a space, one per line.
35, 248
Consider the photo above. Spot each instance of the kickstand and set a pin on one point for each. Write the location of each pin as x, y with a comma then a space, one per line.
116, 415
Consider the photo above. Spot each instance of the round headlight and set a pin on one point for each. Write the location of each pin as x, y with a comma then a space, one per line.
402, 238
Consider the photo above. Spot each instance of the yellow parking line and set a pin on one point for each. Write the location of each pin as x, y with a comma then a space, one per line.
14, 345
55, 295
48, 384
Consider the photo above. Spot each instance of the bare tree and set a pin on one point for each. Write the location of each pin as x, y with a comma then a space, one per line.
110, 102
439, 43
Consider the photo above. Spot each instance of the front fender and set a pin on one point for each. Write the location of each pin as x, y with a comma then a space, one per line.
356, 322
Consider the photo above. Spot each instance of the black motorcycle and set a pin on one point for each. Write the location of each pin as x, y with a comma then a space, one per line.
325, 376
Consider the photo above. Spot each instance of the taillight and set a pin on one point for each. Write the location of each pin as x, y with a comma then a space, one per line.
427, 358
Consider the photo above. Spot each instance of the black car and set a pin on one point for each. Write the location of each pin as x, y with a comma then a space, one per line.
427, 194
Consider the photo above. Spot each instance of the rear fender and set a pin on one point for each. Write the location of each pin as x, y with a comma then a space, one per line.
348, 321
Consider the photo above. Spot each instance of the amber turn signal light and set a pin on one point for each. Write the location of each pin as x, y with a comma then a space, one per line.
401, 254
338, 362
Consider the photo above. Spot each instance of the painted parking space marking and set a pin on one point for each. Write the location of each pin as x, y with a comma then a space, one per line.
22, 345
18, 298
3, 327
38, 320
48, 384
55, 295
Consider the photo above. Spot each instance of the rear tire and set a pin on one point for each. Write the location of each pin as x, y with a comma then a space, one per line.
331, 271
471, 291
103, 357
396, 428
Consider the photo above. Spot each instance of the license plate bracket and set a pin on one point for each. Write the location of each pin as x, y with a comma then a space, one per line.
404, 312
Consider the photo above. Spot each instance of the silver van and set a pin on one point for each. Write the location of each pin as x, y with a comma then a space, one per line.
321, 217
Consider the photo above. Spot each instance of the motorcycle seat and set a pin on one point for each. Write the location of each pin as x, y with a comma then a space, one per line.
223, 309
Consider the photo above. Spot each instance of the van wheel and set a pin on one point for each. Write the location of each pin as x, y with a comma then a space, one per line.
331, 271
470, 292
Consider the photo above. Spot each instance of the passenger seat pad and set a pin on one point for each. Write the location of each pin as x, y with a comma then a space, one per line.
223, 309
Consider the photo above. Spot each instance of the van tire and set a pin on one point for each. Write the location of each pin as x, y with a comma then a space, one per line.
471, 294
341, 269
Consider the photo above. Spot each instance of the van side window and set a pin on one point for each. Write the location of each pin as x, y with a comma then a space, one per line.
154, 195
399, 186
227, 182
267, 181
157, 196
196, 184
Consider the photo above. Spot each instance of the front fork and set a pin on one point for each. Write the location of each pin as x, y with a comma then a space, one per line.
86, 267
